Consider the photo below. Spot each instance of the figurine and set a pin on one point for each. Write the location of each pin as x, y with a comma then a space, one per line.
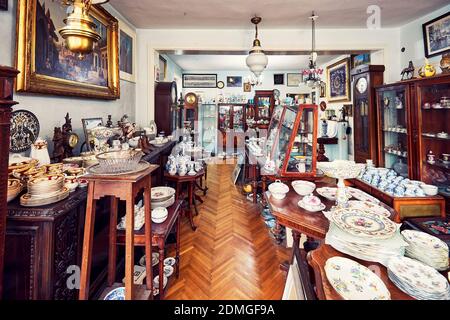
431, 157
408, 72
128, 128
445, 63
58, 145
109, 123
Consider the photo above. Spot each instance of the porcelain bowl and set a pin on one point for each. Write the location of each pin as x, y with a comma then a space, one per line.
278, 190
429, 189
303, 188
159, 215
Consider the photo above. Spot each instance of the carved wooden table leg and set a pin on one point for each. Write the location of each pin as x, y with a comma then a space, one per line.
148, 240
161, 268
129, 246
112, 241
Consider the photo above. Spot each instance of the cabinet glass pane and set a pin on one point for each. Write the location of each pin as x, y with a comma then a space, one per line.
300, 159
435, 131
263, 107
238, 117
273, 128
285, 134
224, 118
208, 116
394, 130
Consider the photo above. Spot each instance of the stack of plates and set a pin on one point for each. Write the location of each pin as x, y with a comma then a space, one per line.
426, 248
365, 235
418, 280
45, 190
14, 188
162, 197
354, 281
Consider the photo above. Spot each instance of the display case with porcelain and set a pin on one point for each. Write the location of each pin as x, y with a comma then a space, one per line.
208, 126
264, 104
231, 116
295, 149
433, 107
394, 129
273, 129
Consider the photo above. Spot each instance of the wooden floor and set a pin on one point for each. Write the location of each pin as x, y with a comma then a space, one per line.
230, 255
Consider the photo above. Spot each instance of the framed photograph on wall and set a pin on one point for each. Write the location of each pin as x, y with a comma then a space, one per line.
4, 5
46, 66
436, 35
278, 79
294, 79
360, 59
247, 87
234, 81
127, 52
191, 80
338, 81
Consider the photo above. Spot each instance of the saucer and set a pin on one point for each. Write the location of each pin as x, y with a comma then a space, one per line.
311, 209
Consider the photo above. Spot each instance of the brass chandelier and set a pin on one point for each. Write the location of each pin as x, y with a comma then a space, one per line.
79, 33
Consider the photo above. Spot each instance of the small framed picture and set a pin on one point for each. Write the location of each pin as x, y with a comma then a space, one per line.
127, 52
247, 87
348, 110
294, 79
360, 59
436, 35
278, 79
234, 81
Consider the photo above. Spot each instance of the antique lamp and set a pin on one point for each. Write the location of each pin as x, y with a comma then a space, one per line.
256, 60
311, 76
79, 32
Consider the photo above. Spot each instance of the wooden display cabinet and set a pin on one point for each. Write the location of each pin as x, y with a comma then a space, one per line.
231, 117
264, 103
167, 112
294, 148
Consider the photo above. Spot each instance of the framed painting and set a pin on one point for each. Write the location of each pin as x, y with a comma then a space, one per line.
234, 81
47, 67
278, 79
436, 35
360, 59
247, 87
4, 5
338, 81
294, 79
127, 52
88, 125
191, 80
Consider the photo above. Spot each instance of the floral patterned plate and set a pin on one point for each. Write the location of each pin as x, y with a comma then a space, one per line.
422, 239
370, 206
361, 195
327, 192
354, 281
363, 223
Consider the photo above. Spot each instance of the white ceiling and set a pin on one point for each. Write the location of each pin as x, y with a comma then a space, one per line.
236, 14
237, 62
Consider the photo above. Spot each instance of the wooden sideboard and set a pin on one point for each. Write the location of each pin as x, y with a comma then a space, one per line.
7, 76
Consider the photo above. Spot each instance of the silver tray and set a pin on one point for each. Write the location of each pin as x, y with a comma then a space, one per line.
96, 169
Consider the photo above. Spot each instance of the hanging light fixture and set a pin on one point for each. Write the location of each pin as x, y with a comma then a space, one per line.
256, 60
311, 76
79, 32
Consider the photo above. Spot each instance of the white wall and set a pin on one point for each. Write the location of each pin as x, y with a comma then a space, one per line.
386, 40
267, 84
51, 110
411, 37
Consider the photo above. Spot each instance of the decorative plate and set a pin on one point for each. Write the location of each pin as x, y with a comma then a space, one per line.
155, 259
418, 275
370, 206
24, 130
170, 261
116, 294
327, 192
422, 239
361, 195
156, 281
354, 281
363, 223
168, 271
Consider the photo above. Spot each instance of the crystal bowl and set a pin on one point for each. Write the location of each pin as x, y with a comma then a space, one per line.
119, 161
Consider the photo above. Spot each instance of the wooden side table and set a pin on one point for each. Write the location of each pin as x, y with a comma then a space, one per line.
118, 187
191, 182
160, 232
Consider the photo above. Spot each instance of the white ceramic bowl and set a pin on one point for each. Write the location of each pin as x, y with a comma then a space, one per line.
303, 188
429, 189
278, 190
159, 215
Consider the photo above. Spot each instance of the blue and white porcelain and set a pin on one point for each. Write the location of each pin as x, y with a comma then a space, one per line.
420, 192
116, 294
399, 191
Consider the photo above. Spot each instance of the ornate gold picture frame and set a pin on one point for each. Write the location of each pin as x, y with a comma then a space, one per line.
47, 67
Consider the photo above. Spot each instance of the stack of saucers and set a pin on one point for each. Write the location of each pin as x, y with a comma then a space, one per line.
364, 234
427, 248
417, 279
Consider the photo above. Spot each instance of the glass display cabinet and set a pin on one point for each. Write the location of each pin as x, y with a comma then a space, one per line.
433, 104
264, 104
394, 129
231, 116
273, 129
295, 144
208, 126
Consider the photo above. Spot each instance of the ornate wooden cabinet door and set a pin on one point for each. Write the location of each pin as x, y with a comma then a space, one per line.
365, 78
7, 76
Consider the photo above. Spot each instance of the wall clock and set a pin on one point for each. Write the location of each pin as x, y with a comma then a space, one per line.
190, 99
220, 84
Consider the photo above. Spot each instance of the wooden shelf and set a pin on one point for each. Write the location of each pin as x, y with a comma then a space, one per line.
399, 132
436, 138
395, 154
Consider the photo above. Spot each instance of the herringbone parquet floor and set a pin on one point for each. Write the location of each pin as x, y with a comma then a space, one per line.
231, 255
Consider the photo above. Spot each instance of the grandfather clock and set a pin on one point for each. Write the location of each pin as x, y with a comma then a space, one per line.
7, 76
365, 79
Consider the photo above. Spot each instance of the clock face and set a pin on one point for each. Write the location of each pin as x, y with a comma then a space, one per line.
361, 85
191, 99
73, 140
